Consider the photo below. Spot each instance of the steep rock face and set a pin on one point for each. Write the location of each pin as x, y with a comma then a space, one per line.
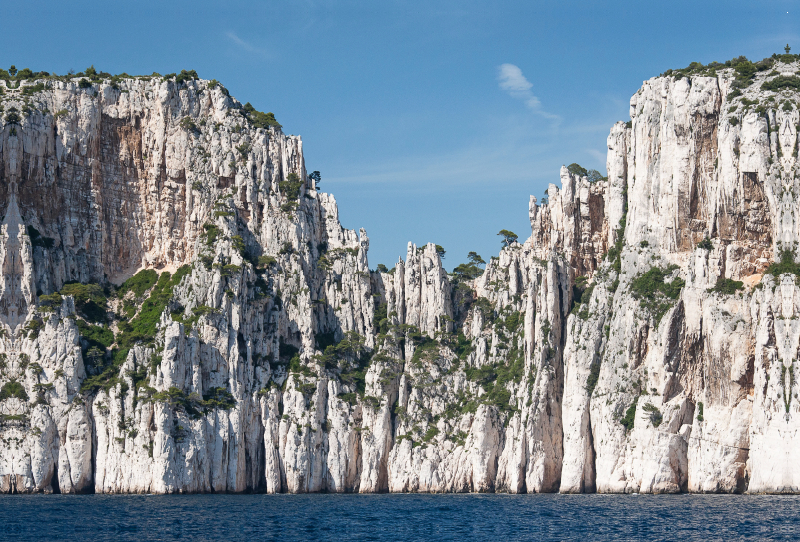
690, 370
572, 222
217, 329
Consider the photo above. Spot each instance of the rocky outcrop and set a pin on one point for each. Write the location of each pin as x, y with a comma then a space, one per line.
182, 311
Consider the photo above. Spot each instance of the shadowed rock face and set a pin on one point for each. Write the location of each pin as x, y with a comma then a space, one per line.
17, 298
603, 354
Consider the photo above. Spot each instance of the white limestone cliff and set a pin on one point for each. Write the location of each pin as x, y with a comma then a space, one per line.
612, 351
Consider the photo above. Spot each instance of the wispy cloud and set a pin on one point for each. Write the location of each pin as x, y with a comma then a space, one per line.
250, 48
517, 150
512, 80
597, 155
457, 168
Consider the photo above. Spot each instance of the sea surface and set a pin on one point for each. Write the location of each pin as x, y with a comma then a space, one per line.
399, 517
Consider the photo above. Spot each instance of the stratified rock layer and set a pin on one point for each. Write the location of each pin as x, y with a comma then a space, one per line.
613, 351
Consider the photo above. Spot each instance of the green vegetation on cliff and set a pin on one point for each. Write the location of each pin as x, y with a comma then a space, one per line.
103, 359
654, 293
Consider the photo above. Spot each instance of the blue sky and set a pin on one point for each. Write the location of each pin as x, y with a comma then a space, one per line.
430, 121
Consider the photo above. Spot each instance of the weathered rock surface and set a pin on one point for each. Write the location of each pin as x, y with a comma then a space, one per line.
612, 351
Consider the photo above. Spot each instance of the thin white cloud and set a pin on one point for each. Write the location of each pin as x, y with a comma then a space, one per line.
245, 45
463, 166
512, 80
597, 155
513, 153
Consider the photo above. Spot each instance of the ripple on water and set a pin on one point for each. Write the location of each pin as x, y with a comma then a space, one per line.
399, 517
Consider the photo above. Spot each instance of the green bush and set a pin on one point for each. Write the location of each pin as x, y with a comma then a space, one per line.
265, 262
187, 123
84, 83
259, 119
289, 207
203, 310
655, 415
244, 148
229, 270
495, 379
514, 320
594, 376
186, 76
576, 169
706, 244
630, 415
33, 327
733, 94
31, 90
139, 283
726, 286
654, 293
109, 375
51, 302
13, 389
290, 188
380, 318
475, 259
95, 342
430, 433
197, 312
594, 176
782, 82
745, 70
481, 375
351, 356
96, 336
463, 347
469, 271
90, 300
466, 271
25, 73
426, 349
218, 398
194, 405
296, 366
210, 234
785, 265
509, 237
143, 327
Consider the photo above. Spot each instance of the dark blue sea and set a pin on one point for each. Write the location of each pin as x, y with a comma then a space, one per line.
399, 517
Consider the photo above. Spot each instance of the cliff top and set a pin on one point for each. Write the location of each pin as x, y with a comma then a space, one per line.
775, 73
30, 82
